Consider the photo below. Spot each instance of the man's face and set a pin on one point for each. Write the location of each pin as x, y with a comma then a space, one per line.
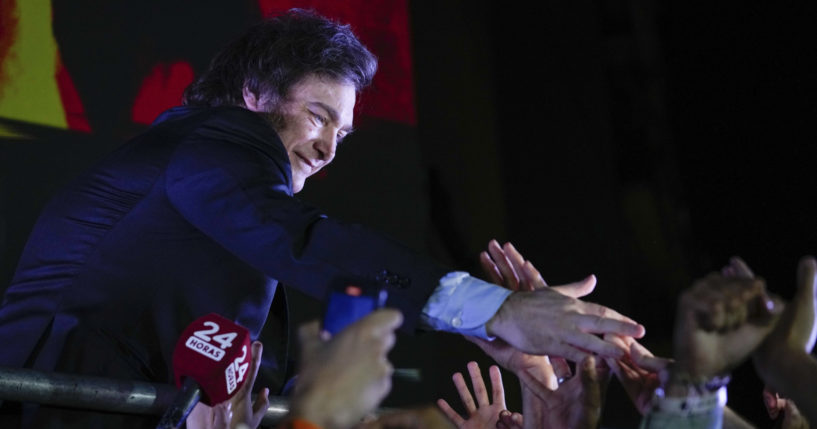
315, 116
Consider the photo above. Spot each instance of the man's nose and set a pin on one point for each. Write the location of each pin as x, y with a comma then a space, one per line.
326, 146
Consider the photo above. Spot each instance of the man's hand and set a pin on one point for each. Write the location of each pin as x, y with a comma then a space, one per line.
344, 378
549, 320
483, 414
545, 321
719, 322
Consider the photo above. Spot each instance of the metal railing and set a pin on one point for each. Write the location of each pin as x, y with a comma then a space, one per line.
102, 394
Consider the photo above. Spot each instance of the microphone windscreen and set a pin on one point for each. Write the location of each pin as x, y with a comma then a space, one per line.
215, 352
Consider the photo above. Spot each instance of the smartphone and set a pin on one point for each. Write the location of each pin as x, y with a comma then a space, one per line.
349, 303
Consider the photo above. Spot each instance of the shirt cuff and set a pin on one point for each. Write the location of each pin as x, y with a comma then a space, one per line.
463, 304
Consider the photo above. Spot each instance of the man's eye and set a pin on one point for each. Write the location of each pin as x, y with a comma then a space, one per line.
319, 118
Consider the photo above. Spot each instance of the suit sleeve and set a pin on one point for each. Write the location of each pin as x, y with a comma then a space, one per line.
239, 194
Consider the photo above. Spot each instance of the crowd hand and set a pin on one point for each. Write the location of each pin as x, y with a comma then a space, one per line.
427, 417
239, 411
483, 414
640, 372
783, 359
343, 378
576, 404
719, 322
775, 405
534, 371
218, 416
505, 266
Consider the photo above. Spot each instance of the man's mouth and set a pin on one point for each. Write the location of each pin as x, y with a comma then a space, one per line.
305, 160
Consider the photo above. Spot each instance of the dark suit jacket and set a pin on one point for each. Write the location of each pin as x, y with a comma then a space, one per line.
194, 216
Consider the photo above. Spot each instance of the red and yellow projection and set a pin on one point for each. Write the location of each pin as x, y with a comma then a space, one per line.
36, 88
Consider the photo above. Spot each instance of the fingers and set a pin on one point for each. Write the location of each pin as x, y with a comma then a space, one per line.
261, 402
465, 394
382, 321
478, 384
543, 390
723, 304
490, 269
591, 391
772, 403
594, 344
497, 389
509, 275
309, 336
222, 415
377, 328
257, 351
560, 367
805, 304
529, 277
577, 289
644, 359
602, 320
742, 270
450, 413
509, 420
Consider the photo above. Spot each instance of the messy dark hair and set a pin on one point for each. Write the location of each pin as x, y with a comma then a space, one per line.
277, 53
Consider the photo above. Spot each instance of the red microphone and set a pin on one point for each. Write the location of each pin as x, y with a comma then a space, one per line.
209, 363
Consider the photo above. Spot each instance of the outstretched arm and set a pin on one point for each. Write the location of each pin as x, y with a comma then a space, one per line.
719, 322
783, 360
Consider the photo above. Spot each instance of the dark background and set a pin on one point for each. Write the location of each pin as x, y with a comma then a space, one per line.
644, 142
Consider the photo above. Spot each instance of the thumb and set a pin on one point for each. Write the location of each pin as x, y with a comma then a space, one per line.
309, 335
805, 301
577, 289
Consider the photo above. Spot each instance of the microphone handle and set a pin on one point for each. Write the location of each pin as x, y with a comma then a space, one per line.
182, 405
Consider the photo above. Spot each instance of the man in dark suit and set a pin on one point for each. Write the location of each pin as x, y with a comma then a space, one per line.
197, 215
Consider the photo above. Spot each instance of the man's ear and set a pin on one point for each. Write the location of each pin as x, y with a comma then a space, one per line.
250, 100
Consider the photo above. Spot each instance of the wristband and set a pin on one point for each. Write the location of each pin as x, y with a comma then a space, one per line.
701, 403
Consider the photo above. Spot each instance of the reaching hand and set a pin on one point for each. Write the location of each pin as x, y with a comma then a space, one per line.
244, 409
639, 372
238, 411
344, 378
796, 332
576, 404
719, 322
218, 416
506, 267
483, 414
783, 360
